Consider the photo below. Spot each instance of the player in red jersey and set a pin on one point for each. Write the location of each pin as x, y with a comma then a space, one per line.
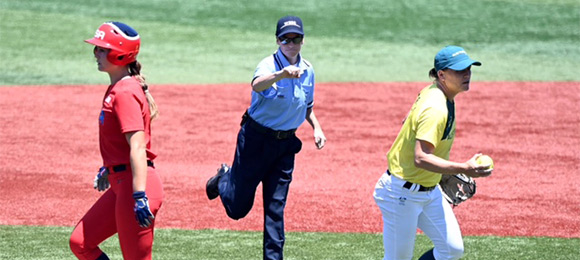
136, 194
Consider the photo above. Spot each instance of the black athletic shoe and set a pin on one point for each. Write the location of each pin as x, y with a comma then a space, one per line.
211, 187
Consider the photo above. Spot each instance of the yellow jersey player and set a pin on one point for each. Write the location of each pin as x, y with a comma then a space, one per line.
407, 193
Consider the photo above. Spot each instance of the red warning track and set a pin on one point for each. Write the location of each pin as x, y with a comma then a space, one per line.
49, 154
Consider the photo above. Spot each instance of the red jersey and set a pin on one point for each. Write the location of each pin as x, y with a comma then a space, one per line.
125, 109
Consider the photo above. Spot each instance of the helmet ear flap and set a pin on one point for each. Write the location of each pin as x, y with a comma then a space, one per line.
120, 59
116, 57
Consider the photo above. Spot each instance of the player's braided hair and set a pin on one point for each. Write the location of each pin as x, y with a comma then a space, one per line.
135, 70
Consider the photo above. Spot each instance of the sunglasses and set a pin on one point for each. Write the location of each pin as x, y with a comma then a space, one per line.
295, 40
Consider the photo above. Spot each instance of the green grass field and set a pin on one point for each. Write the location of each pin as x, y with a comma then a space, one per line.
32, 243
213, 41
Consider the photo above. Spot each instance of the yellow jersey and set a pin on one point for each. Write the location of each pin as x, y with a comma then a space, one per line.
431, 119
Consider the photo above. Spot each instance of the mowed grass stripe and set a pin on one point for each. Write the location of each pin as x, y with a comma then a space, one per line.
193, 42
32, 243
417, 21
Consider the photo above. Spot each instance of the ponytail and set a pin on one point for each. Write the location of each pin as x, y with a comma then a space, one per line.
135, 70
433, 74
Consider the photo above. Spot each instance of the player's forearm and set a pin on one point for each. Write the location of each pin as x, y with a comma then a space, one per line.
138, 159
264, 82
436, 164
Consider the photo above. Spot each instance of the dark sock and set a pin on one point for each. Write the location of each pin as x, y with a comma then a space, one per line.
427, 255
103, 256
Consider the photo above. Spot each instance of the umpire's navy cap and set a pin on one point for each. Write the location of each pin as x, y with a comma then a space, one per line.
453, 57
289, 24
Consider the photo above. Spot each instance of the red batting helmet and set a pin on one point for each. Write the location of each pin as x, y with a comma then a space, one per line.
121, 39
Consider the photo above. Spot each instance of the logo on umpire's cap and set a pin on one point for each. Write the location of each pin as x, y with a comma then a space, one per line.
290, 23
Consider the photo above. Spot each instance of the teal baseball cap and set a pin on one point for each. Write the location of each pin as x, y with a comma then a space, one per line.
453, 57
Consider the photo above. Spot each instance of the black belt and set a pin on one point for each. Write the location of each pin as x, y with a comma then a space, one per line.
408, 185
265, 130
123, 167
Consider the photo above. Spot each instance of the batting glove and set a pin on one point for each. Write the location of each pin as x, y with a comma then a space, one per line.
142, 212
101, 182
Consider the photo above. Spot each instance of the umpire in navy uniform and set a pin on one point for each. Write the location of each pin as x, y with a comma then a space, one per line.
282, 98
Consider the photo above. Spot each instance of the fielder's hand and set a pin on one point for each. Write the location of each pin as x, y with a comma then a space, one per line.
142, 212
475, 170
101, 181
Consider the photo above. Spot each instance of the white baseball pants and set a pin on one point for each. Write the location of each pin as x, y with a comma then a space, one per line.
404, 210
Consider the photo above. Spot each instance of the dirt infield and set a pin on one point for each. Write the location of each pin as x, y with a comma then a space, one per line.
49, 155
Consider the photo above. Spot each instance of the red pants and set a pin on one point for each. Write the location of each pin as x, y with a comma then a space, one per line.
113, 213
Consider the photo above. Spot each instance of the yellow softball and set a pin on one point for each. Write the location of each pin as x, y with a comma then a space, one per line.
484, 160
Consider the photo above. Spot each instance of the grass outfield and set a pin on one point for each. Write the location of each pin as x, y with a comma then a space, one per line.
200, 41
27, 242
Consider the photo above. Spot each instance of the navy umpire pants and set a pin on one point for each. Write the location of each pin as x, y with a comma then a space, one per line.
261, 157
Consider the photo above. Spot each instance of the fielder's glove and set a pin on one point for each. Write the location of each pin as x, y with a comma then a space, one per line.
101, 181
457, 188
142, 212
